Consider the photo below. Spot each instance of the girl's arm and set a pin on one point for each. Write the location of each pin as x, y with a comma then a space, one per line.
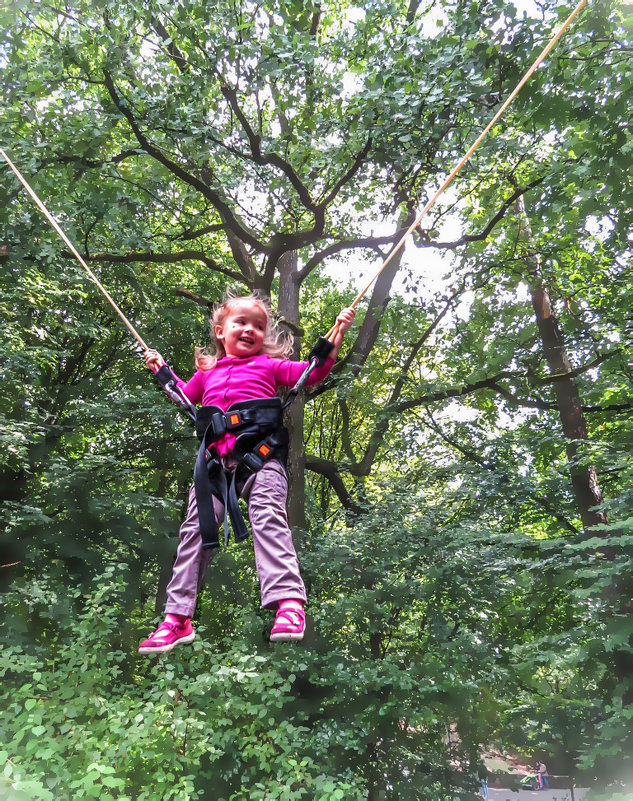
344, 322
287, 372
192, 389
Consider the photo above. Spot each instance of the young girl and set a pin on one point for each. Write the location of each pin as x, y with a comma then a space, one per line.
246, 365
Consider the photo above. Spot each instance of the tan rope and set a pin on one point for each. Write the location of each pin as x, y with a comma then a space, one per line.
72, 248
469, 153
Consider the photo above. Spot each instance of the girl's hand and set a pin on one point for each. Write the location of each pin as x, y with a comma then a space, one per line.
153, 360
345, 320
343, 323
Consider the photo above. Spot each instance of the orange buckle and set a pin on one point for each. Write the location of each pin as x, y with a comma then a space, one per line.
234, 419
263, 449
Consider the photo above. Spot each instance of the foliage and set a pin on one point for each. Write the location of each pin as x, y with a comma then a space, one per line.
456, 599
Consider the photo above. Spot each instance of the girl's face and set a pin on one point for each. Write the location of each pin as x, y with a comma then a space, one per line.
243, 330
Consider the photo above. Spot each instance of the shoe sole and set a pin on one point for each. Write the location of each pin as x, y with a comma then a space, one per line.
286, 637
163, 649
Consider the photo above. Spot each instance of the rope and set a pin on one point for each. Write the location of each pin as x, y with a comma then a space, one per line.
72, 249
332, 332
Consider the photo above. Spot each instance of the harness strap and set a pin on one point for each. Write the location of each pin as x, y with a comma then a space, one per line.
249, 420
212, 423
208, 480
317, 357
211, 478
232, 507
167, 380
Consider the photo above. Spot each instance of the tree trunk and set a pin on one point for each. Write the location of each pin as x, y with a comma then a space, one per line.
289, 308
584, 478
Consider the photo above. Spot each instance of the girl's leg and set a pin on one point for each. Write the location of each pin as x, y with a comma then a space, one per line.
187, 574
191, 562
275, 555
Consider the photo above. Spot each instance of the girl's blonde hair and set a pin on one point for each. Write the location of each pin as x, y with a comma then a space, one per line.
276, 343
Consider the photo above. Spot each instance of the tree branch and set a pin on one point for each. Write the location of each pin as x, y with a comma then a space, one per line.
176, 169
207, 229
186, 293
423, 239
91, 163
368, 334
347, 177
371, 243
283, 242
167, 258
179, 60
330, 471
363, 468
476, 459
314, 22
254, 141
544, 406
467, 389
600, 358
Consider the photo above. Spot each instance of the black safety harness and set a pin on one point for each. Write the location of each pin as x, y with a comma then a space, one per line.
260, 436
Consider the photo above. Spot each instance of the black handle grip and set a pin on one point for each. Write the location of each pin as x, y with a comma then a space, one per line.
164, 376
321, 350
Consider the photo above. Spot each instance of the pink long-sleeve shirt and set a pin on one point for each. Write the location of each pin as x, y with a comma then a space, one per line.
239, 379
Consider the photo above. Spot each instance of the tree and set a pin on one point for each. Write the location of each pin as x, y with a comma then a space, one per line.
445, 548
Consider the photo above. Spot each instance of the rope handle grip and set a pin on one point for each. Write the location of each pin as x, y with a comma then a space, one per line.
319, 353
167, 380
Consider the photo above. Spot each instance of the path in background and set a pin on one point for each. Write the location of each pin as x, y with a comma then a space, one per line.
536, 795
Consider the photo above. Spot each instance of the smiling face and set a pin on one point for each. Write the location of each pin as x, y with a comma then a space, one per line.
243, 329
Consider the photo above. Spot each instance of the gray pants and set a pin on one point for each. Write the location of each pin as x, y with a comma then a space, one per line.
275, 557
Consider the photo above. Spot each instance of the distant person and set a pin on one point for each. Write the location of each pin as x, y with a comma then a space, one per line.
482, 774
543, 782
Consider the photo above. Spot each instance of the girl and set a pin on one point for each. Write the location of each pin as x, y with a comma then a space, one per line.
245, 366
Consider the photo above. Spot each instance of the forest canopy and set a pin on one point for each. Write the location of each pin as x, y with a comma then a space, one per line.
460, 484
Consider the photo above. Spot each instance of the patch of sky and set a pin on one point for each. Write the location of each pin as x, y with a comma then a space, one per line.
422, 269
599, 227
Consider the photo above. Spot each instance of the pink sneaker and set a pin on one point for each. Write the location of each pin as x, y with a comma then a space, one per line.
290, 624
166, 636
